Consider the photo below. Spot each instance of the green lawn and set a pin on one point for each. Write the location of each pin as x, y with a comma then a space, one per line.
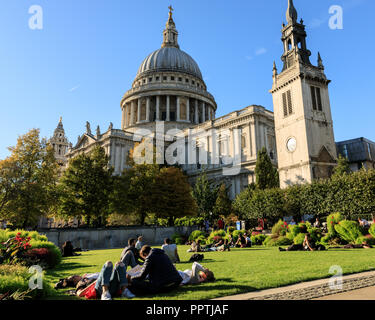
237, 271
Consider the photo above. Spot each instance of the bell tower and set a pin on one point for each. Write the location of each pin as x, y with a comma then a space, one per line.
303, 122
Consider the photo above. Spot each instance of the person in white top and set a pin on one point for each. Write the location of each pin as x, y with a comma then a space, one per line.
197, 274
139, 243
170, 250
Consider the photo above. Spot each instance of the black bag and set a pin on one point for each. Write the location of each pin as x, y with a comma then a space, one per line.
196, 257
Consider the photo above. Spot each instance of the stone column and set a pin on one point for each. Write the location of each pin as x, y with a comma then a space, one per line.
139, 111
148, 109
168, 117
203, 112
132, 111
157, 108
123, 121
196, 112
209, 112
188, 109
178, 108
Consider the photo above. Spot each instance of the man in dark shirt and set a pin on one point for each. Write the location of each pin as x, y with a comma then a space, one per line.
158, 274
130, 255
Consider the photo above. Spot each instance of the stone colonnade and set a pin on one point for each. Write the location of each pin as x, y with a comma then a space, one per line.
166, 108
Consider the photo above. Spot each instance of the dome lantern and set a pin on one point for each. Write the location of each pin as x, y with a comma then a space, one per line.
170, 34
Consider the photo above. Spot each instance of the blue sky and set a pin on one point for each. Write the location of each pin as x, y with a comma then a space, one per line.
88, 53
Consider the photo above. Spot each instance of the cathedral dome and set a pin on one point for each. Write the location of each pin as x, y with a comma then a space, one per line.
170, 58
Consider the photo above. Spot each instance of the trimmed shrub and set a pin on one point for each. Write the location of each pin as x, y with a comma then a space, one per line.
258, 239
372, 230
280, 228
348, 230
231, 230
299, 238
7, 234
202, 240
196, 234
332, 220
178, 239
55, 252
276, 242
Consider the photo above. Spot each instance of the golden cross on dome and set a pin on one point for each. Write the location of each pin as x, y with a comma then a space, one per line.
170, 10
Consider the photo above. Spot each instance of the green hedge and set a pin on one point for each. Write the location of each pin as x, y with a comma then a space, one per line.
349, 231
7, 234
55, 251
350, 194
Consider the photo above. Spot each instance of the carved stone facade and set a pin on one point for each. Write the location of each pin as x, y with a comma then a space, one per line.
169, 90
60, 144
303, 121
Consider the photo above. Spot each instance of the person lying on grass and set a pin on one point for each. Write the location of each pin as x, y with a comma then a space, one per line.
307, 245
112, 282
197, 274
363, 245
224, 246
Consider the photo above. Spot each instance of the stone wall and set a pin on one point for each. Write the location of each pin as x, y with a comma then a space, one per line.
112, 237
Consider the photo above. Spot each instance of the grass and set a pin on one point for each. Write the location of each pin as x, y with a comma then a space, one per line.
237, 271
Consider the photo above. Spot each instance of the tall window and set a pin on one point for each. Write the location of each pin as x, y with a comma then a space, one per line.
287, 103
316, 98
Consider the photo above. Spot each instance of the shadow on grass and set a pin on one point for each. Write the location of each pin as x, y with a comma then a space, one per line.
67, 267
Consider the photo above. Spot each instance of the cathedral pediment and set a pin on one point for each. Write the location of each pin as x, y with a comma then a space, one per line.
85, 140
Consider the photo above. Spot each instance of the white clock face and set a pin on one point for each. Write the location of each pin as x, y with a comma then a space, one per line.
291, 145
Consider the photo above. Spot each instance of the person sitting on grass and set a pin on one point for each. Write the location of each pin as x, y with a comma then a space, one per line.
112, 282
247, 241
241, 242
197, 274
195, 246
130, 255
225, 246
158, 274
139, 243
171, 250
307, 245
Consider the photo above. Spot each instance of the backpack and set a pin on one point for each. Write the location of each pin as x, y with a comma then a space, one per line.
196, 257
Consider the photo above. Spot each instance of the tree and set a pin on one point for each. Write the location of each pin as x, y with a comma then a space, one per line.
133, 190
267, 176
171, 195
28, 180
342, 167
223, 205
205, 195
86, 186
266, 204
242, 201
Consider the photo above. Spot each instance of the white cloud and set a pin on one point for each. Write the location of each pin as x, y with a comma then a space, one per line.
74, 88
260, 51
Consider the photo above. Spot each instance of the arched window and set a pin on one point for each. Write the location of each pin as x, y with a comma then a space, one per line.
289, 45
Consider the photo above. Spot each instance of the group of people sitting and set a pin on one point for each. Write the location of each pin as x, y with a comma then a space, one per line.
243, 241
151, 272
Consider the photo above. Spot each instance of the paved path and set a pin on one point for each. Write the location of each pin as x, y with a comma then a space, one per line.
352, 286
